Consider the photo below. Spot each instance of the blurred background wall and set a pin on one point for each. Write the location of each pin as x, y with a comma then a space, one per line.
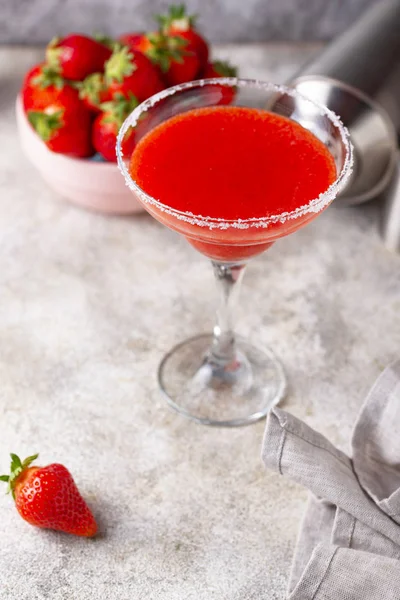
36, 21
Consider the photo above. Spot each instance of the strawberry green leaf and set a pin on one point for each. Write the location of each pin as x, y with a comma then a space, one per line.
224, 68
45, 124
120, 65
91, 87
117, 110
107, 107
15, 462
17, 467
108, 41
54, 41
27, 462
176, 18
165, 49
47, 77
53, 54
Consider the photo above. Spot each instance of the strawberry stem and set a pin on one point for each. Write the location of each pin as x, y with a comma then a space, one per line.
54, 41
176, 18
45, 124
91, 87
48, 76
16, 468
117, 110
166, 49
119, 65
53, 54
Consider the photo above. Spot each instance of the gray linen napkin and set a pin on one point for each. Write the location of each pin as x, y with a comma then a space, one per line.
349, 542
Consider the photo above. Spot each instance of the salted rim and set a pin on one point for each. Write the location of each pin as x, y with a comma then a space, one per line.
315, 205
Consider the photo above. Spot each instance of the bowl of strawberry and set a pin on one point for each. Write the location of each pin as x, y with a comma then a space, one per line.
72, 105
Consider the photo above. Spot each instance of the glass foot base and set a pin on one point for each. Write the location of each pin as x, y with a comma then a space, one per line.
238, 394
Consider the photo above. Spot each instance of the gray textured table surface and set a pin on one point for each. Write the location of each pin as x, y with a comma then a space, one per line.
89, 305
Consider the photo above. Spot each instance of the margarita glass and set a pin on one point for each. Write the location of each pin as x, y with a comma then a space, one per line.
233, 165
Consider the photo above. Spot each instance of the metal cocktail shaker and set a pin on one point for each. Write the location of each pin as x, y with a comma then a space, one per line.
390, 223
358, 77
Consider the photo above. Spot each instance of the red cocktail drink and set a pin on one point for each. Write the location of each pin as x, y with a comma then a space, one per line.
232, 180
234, 164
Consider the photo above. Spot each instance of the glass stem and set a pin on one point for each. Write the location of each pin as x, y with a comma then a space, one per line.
228, 277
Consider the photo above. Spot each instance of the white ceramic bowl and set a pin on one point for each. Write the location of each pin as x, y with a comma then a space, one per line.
95, 185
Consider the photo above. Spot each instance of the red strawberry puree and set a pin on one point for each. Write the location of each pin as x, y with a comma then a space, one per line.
232, 163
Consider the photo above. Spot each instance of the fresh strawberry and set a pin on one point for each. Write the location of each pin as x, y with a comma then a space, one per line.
48, 497
107, 125
141, 42
221, 69
184, 69
133, 40
169, 53
42, 85
131, 73
93, 91
177, 23
77, 56
65, 130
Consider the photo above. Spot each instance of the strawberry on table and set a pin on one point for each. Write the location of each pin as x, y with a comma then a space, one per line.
93, 91
76, 56
107, 125
221, 69
177, 23
47, 497
130, 73
170, 54
42, 85
64, 128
